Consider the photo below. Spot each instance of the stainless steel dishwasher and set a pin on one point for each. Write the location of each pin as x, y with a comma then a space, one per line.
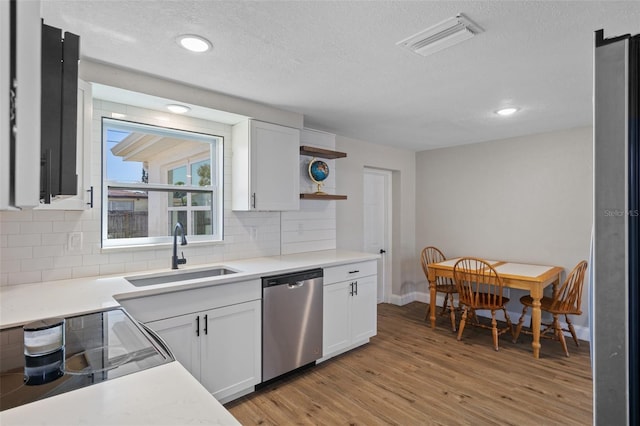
291, 322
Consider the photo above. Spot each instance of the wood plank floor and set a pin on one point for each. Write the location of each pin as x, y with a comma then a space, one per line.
411, 375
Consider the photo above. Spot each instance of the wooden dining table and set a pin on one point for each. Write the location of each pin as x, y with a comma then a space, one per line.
523, 276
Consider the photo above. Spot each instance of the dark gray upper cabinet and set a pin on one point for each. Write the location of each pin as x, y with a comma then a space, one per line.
59, 112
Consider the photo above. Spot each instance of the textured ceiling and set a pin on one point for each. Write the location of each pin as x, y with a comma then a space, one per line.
337, 61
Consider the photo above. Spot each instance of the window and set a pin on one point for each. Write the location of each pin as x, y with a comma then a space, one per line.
155, 177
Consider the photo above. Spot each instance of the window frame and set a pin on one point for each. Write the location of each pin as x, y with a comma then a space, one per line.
215, 189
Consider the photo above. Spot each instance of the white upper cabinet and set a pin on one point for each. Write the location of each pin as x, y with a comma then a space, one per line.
265, 167
19, 104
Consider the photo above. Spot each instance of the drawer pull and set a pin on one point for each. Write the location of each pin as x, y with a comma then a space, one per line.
354, 272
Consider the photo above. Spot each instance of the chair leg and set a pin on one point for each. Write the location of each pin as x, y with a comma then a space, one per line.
426, 316
509, 323
560, 334
452, 314
494, 329
572, 330
519, 326
463, 320
444, 305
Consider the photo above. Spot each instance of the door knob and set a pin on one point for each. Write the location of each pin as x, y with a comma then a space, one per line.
382, 251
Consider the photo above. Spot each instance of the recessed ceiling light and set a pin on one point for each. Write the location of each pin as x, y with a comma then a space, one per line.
178, 109
506, 111
194, 43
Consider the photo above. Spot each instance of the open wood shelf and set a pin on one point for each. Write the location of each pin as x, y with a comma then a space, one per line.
322, 197
320, 152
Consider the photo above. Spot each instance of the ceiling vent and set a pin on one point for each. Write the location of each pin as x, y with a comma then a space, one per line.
440, 36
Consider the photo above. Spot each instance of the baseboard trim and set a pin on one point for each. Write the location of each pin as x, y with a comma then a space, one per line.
419, 296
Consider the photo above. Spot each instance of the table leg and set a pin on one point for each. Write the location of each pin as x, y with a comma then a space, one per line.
536, 315
432, 298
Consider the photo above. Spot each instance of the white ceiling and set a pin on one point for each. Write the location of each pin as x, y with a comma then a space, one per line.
337, 61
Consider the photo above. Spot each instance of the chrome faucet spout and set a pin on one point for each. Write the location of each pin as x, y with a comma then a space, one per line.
175, 261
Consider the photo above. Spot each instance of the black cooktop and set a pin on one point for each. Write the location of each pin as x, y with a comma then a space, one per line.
96, 347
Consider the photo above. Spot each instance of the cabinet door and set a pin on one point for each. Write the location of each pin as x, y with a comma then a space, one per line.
364, 309
275, 174
231, 349
335, 321
181, 335
84, 198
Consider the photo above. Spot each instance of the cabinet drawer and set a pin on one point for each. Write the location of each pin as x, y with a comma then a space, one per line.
350, 271
167, 305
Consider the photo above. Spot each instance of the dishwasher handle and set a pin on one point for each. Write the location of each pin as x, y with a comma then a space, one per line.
297, 284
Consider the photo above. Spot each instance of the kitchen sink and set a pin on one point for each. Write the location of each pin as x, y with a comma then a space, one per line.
179, 275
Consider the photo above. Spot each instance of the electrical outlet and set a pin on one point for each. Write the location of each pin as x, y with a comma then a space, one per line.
253, 233
74, 242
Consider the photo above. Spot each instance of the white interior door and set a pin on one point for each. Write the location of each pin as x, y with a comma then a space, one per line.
377, 224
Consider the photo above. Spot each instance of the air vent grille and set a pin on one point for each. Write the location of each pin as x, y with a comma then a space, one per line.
440, 36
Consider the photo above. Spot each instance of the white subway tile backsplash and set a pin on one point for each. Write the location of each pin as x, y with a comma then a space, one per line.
17, 253
39, 264
48, 215
143, 256
24, 277
68, 226
68, 261
136, 267
52, 239
17, 216
94, 259
47, 251
25, 240
36, 227
305, 246
10, 265
57, 274
112, 268
85, 271
8, 228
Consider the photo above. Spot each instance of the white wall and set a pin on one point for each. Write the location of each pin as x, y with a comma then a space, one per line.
526, 199
350, 232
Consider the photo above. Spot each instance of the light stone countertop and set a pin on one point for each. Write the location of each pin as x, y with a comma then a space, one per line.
161, 395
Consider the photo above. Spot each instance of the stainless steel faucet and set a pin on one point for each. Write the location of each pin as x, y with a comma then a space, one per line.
174, 259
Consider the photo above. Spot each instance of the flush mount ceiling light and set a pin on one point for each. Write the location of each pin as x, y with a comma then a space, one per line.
440, 36
506, 111
178, 109
194, 43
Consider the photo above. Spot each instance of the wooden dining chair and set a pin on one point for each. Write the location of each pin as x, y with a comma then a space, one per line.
565, 301
480, 288
443, 285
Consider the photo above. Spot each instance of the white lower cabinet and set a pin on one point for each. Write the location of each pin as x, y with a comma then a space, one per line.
220, 347
350, 308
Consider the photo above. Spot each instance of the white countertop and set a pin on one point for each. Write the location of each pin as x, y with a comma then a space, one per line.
28, 302
163, 395
166, 394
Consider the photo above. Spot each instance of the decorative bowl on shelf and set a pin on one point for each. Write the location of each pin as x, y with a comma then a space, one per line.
318, 172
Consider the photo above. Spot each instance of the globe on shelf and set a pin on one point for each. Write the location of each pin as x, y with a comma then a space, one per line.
318, 172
